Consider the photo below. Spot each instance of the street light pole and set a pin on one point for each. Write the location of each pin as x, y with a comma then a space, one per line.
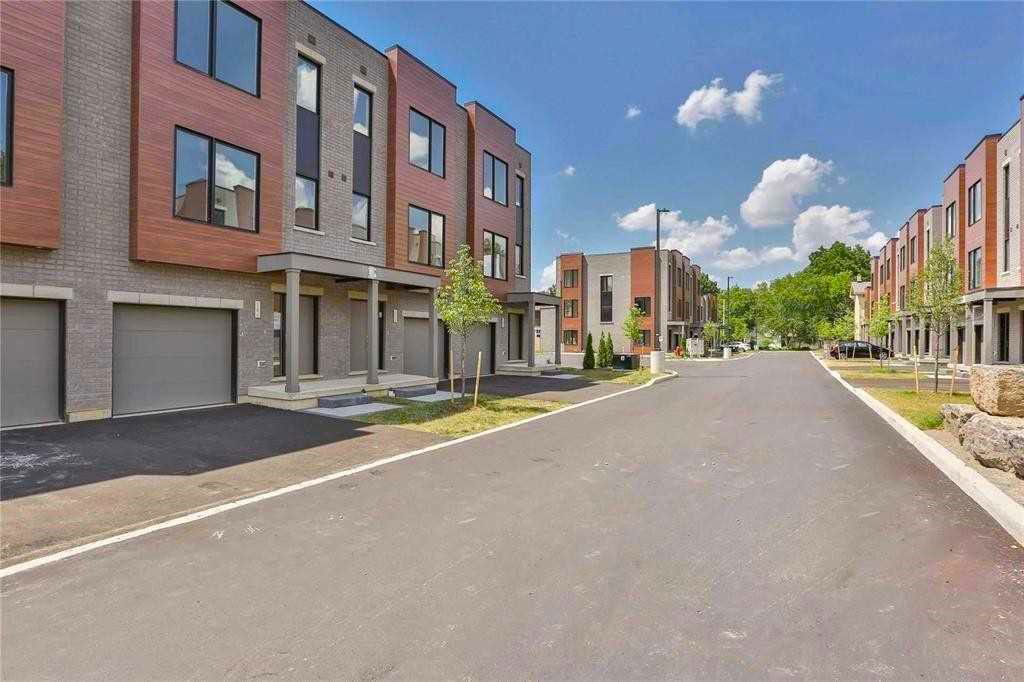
657, 277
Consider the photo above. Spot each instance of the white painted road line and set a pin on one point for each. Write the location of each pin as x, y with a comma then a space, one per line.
1000, 506
295, 487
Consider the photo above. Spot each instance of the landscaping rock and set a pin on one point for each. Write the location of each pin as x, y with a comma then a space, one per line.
955, 415
998, 389
996, 442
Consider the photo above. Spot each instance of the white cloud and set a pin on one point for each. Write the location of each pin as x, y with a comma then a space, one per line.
561, 234
774, 254
823, 225
875, 242
742, 258
714, 102
569, 171
694, 238
632, 111
547, 277
775, 199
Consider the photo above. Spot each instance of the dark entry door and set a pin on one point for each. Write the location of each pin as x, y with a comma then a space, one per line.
979, 336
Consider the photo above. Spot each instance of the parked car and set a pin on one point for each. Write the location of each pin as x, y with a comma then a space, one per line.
859, 349
737, 345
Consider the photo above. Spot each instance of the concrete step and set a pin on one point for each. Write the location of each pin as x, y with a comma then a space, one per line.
347, 400
414, 391
520, 370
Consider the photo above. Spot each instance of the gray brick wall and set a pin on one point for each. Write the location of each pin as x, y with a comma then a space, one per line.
617, 265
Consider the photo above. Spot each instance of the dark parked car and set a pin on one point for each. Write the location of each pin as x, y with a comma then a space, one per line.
859, 349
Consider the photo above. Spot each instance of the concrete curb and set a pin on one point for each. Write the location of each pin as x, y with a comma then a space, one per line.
295, 487
989, 497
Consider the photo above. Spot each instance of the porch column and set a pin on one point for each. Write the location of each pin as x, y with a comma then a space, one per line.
531, 314
988, 321
433, 334
558, 334
967, 353
372, 337
291, 331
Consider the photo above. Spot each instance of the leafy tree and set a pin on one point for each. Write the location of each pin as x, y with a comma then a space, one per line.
935, 295
840, 257
710, 334
881, 320
588, 354
604, 350
463, 300
552, 290
708, 285
631, 325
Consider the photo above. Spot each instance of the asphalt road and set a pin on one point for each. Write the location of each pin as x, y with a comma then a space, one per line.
749, 520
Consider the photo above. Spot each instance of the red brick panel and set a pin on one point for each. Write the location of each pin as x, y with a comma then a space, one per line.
573, 261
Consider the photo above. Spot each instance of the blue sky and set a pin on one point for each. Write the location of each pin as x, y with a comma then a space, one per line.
856, 111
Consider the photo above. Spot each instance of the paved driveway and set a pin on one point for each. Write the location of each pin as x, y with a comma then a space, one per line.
753, 520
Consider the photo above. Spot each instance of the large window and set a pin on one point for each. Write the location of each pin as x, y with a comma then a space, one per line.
362, 151
6, 126
570, 278
951, 220
520, 224
307, 143
974, 269
495, 255
220, 40
903, 258
1006, 217
426, 237
913, 250
495, 179
426, 143
570, 307
606, 298
570, 337
974, 203
230, 197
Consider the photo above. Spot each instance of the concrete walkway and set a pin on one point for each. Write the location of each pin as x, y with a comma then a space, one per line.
753, 520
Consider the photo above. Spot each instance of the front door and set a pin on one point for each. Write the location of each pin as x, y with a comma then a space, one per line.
979, 336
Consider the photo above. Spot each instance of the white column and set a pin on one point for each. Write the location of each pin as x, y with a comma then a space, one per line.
372, 337
988, 321
291, 331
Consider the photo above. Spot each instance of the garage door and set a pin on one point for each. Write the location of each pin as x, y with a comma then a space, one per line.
30, 364
479, 341
416, 346
167, 358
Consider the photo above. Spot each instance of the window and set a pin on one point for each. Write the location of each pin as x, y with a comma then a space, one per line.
570, 278
1006, 217
362, 149
903, 258
571, 308
606, 298
644, 304
309, 325
231, 192
520, 225
495, 179
426, 237
974, 203
974, 269
913, 249
927, 242
903, 297
426, 143
219, 40
307, 144
569, 337
645, 338
6, 126
495, 255
951, 220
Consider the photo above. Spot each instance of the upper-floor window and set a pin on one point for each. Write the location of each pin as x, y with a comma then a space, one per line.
307, 143
495, 179
570, 337
1006, 217
913, 249
426, 143
570, 278
951, 220
6, 125
571, 308
974, 203
220, 40
606, 298
362, 107
215, 182
974, 269
495, 255
426, 237
362, 161
520, 197
643, 303
903, 258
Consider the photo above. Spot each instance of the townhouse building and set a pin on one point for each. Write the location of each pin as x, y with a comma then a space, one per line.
981, 213
598, 290
218, 202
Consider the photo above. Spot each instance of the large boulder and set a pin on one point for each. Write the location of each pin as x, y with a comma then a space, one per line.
955, 415
998, 389
995, 441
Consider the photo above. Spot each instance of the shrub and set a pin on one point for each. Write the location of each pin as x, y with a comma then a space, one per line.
588, 354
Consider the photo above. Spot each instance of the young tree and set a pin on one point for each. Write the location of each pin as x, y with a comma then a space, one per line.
935, 295
588, 353
604, 351
463, 300
710, 334
881, 319
631, 325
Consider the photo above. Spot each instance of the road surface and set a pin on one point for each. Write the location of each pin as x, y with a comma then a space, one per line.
749, 520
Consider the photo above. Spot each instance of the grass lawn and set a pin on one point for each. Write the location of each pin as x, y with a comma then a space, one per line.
615, 376
461, 418
920, 409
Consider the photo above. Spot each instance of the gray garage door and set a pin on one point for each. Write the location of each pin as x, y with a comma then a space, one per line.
416, 346
479, 341
166, 358
30, 364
